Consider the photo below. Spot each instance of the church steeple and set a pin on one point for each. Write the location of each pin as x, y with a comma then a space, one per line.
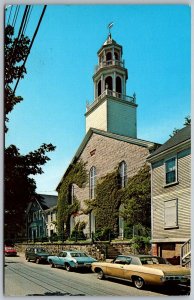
111, 109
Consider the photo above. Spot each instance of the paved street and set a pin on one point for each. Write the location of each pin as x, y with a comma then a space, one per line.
24, 278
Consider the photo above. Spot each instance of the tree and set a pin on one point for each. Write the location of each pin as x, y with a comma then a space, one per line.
20, 187
186, 123
137, 199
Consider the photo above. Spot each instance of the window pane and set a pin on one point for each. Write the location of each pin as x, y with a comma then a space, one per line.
170, 177
170, 170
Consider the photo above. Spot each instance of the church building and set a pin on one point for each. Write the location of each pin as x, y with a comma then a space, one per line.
111, 133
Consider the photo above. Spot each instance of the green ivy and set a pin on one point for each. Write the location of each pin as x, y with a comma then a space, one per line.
77, 174
106, 204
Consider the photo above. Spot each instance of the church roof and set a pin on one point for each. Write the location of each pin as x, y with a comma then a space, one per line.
109, 41
180, 137
91, 131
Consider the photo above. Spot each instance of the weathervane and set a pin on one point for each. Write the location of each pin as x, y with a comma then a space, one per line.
110, 25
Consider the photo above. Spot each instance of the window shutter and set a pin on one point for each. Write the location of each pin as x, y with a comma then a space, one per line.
170, 213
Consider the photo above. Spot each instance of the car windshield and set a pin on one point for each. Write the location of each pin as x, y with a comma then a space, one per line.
40, 250
152, 260
78, 254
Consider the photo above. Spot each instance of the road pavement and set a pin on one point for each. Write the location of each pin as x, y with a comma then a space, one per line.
22, 278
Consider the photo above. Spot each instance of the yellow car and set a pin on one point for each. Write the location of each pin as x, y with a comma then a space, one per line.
141, 270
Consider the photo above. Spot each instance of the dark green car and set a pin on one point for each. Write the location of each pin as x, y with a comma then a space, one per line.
37, 254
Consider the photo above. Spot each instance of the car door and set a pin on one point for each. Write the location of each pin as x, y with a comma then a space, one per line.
61, 258
127, 268
116, 268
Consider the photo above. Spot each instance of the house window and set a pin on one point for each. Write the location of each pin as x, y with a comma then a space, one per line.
92, 186
171, 214
171, 170
51, 216
123, 173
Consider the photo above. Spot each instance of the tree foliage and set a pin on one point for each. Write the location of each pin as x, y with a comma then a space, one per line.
15, 52
106, 203
186, 123
19, 185
77, 175
137, 199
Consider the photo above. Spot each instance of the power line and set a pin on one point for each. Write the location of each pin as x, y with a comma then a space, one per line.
15, 15
10, 14
35, 33
23, 22
27, 20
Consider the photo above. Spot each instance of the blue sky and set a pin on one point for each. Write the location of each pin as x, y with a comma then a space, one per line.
156, 50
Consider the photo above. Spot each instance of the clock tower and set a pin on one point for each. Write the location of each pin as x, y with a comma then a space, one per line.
112, 110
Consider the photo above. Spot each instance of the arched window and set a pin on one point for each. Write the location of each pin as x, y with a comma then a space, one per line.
108, 56
116, 56
123, 173
118, 85
108, 83
99, 88
72, 193
92, 182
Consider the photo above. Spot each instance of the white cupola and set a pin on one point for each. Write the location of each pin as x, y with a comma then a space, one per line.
112, 110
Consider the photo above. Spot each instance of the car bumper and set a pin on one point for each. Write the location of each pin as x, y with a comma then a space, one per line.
10, 254
175, 279
87, 265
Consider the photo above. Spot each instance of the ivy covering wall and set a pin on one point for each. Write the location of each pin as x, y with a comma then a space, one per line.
106, 204
77, 174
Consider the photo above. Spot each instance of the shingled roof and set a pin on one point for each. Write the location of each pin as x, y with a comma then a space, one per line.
181, 136
47, 201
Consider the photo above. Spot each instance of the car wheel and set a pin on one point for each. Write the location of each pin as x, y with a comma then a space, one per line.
100, 274
138, 282
51, 264
37, 260
68, 267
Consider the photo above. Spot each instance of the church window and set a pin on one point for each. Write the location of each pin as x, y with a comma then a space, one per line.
92, 182
99, 88
108, 56
108, 83
118, 85
72, 193
116, 56
123, 173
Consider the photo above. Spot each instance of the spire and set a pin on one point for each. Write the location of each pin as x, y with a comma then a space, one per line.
110, 25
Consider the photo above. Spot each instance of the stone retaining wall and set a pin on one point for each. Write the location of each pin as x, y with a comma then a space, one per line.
91, 249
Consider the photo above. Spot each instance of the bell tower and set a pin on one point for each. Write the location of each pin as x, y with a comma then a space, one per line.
112, 110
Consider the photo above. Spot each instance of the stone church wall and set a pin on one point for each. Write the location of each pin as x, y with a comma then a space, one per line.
105, 154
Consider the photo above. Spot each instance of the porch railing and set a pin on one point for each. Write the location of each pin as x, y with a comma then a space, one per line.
185, 257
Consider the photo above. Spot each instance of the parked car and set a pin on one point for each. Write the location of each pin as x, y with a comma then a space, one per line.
141, 270
10, 250
71, 260
36, 254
